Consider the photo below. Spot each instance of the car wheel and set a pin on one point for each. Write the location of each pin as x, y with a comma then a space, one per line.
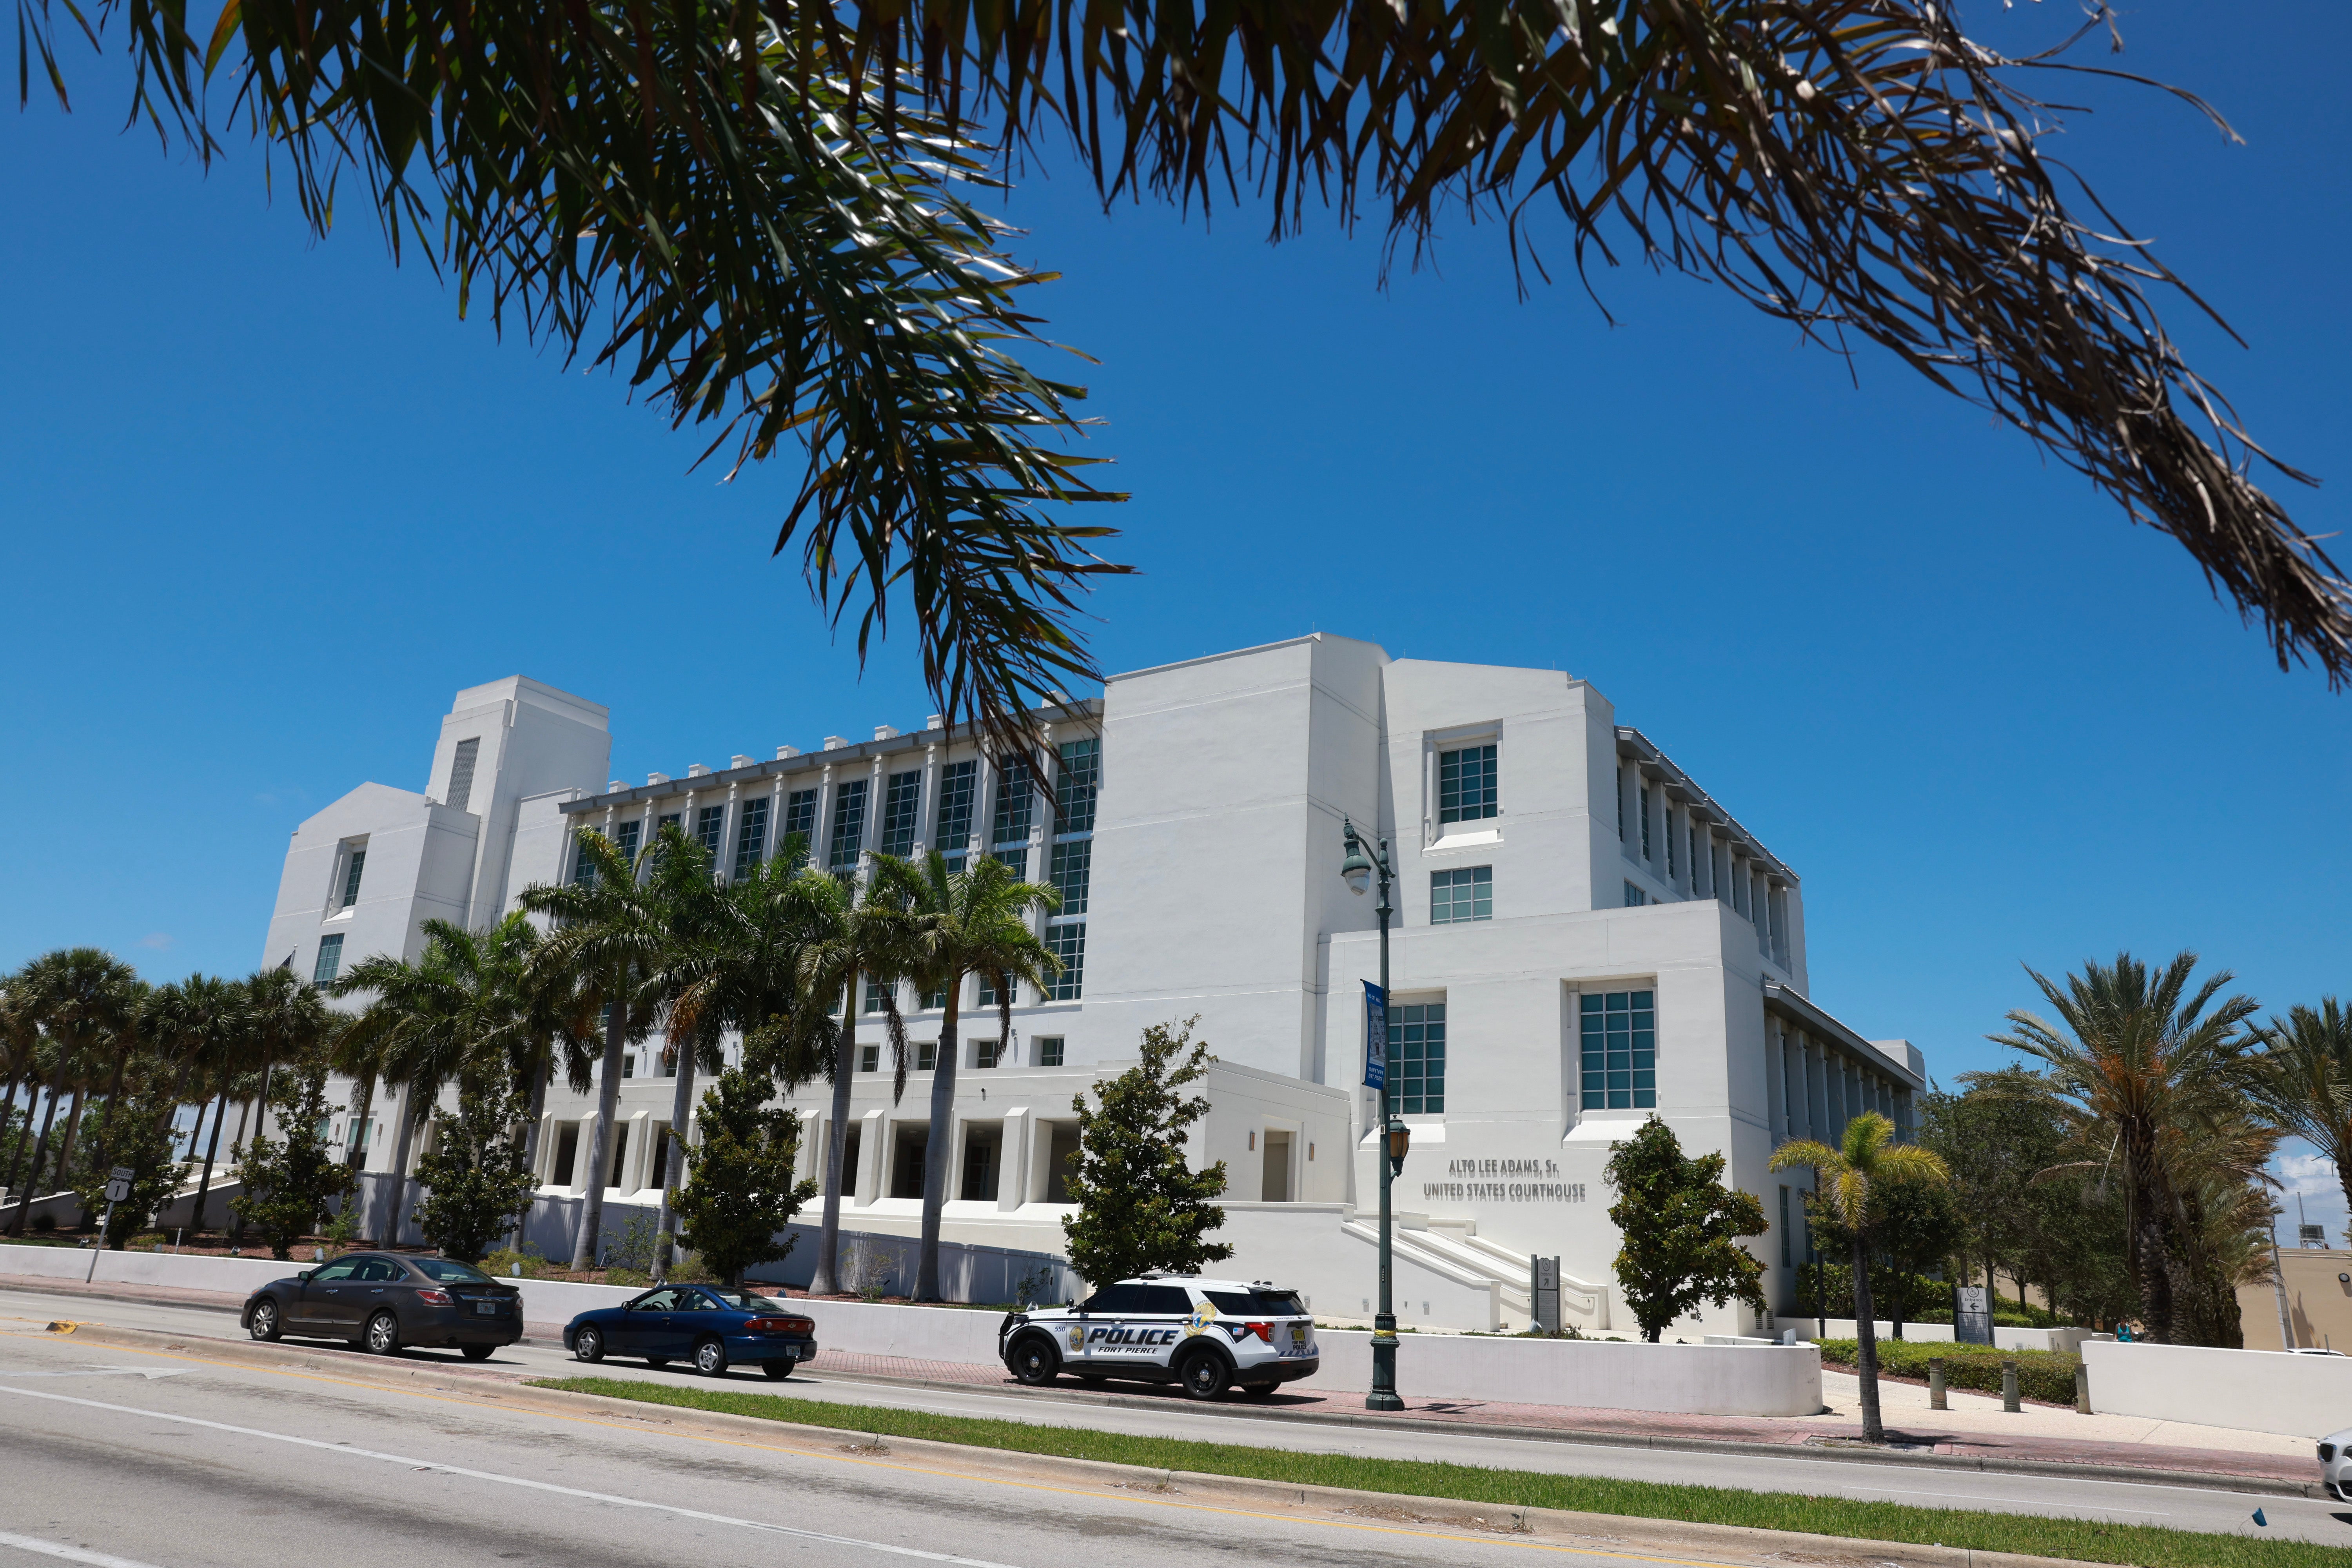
265, 1324
1203, 1374
1259, 1390
777, 1369
383, 1334
1035, 1361
476, 1352
710, 1358
588, 1344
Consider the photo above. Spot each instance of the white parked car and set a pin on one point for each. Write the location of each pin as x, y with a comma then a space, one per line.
1205, 1334
2335, 1460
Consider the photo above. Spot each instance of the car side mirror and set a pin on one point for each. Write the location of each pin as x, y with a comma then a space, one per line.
306, 1274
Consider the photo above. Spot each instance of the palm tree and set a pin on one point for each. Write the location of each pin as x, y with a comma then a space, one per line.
123, 1043
291, 1022
20, 1039
202, 1021
2302, 1080
778, 191
427, 1023
1849, 1179
546, 1022
2136, 1057
857, 935
612, 935
78, 997
973, 921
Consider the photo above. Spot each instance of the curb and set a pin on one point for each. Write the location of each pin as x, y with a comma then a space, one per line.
1622, 1533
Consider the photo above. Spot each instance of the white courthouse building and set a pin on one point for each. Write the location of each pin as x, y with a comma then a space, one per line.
1583, 936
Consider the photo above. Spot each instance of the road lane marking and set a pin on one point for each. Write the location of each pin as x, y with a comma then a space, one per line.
416, 1464
96, 1370
70, 1553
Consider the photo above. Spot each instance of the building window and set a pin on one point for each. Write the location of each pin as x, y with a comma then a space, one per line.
958, 783
848, 825
984, 1053
710, 823
1016, 859
934, 1000
1417, 1057
1075, 789
902, 802
1635, 896
875, 995
870, 1059
752, 834
1068, 943
1468, 894
1645, 824
1670, 842
927, 1055
330, 961
800, 816
1694, 856
461, 773
1466, 784
352, 867
1786, 1250
1620, 1051
584, 869
1016, 803
1071, 870
624, 839
1049, 1050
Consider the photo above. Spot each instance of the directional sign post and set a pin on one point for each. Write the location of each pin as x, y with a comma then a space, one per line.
118, 1190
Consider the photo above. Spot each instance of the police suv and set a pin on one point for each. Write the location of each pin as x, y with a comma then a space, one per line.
1205, 1334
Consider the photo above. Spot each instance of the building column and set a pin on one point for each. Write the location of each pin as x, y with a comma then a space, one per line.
873, 1132
1776, 1083
1817, 1090
1013, 1158
584, 1152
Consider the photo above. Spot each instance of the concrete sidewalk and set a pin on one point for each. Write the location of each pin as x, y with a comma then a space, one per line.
1974, 1429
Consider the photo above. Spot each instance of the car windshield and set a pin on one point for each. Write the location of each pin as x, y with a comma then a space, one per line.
744, 1301
449, 1271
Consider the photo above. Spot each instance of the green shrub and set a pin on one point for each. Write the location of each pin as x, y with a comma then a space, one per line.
2040, 1374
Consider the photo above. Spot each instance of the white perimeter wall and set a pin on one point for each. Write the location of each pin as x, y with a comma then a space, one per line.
2252, 1390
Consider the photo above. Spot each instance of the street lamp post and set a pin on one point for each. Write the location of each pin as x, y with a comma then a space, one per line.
1358, 870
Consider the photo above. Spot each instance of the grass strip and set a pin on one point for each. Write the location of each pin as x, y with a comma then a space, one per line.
2088, 1541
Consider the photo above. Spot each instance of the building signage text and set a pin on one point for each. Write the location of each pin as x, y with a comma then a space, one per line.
1504, 1181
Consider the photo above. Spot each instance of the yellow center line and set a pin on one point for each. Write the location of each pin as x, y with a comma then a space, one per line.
642, 1429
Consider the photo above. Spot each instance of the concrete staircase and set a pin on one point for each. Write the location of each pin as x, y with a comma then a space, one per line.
1583, 1303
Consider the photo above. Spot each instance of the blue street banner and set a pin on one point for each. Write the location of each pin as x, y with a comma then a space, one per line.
1376, 1037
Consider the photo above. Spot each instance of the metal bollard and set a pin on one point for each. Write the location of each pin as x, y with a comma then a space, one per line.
2082, 1388
1936, 1400
2009, 1385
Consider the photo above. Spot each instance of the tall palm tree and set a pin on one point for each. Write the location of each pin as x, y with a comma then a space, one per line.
427, 1023
973, 921
858, 935
611, 937
77, 996
20, 1039
125, 1042
779, 192
734, 966
1849, 1179
547, 1024
291, 1022
2137, 1056
201, 1021
2303, 1079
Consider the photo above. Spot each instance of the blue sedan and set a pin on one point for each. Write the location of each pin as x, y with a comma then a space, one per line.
709, 1326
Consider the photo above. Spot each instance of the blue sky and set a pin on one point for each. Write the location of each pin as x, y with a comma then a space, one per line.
270, 503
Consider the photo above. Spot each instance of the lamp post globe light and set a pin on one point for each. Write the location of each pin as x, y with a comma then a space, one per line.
1357, 871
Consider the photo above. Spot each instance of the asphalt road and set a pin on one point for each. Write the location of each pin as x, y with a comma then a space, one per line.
2124, 1502
131, 1459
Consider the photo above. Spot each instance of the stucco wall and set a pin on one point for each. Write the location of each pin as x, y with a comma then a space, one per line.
2252, 1390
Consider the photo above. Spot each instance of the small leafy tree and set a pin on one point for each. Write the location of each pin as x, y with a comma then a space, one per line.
1681, 1228
475, 1185
739, 1190
1141, 1205
1915, 1226
290, 1182
142, 1142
